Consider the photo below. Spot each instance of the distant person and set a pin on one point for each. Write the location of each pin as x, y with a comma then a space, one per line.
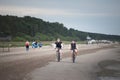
58, 43
73, 51
40, 44
27, 45
33, 43
59, 46
73, 46
36, 44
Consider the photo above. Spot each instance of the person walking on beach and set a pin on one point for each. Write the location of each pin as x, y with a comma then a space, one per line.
27, 45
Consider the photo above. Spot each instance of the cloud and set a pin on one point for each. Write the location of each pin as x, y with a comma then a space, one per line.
30, 11
22, 11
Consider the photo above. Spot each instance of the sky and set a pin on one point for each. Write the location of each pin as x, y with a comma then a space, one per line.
96, 16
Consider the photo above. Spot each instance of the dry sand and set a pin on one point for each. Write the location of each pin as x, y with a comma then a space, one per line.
85, 68
19, 64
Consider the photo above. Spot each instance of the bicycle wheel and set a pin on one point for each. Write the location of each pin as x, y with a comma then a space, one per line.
58, 56
73, 57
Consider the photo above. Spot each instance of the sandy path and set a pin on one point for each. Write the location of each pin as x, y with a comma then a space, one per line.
84, 69
18, 63
20, 53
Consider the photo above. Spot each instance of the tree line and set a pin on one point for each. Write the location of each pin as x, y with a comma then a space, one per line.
31, 28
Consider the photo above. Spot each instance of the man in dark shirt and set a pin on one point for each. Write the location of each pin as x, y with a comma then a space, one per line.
73, 46
59, 46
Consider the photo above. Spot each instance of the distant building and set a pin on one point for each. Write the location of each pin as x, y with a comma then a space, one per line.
92, 41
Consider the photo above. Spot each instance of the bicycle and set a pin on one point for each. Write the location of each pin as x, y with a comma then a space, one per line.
58, 54
73, 56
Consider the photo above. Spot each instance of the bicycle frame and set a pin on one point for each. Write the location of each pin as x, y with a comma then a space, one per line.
73, 56
58, 54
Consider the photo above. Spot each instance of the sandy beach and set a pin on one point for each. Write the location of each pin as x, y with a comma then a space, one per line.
40, 64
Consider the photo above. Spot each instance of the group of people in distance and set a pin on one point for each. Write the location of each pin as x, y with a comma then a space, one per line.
58, 44
35, 44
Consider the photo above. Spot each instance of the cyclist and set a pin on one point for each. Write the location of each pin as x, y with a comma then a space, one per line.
59, 46
73, 47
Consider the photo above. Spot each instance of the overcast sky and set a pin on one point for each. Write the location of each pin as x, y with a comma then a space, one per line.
99, 16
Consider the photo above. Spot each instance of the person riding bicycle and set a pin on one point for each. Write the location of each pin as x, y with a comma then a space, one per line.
73, 46
74, 51
59, 46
